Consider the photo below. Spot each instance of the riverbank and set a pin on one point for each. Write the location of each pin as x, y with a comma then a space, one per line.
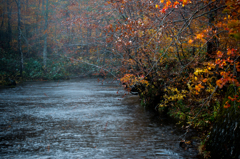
210, 123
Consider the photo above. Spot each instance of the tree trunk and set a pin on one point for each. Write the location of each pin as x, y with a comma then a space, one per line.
89, 32
97, 46
45, 36
212, 44
37, 30
19, 37
9, 29
27, 27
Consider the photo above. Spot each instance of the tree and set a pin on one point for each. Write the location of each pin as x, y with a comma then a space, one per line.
182, 54
9, 29
20, 37
45, 35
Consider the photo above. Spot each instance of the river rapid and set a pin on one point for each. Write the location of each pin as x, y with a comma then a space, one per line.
83, 118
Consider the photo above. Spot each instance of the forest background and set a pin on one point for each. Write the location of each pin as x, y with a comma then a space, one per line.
182, 56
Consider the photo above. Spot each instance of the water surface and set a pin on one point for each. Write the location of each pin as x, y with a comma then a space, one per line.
82, 119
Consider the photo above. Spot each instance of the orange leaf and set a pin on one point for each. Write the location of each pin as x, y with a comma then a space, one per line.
175, 4
204, 80
199, 36
190, 41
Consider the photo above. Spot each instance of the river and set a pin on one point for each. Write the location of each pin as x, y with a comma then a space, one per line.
82, 118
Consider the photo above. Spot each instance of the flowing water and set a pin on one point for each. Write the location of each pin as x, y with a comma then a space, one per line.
82, 118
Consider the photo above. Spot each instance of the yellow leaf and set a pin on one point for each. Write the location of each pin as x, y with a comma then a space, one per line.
196, 72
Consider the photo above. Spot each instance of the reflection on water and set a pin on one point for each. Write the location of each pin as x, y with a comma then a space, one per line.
82, 119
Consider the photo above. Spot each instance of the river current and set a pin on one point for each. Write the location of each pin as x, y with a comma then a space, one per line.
83, 118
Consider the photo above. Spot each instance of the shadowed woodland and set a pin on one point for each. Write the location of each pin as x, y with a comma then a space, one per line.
181, 57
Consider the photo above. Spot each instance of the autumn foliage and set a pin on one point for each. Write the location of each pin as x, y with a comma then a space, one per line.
185, 53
